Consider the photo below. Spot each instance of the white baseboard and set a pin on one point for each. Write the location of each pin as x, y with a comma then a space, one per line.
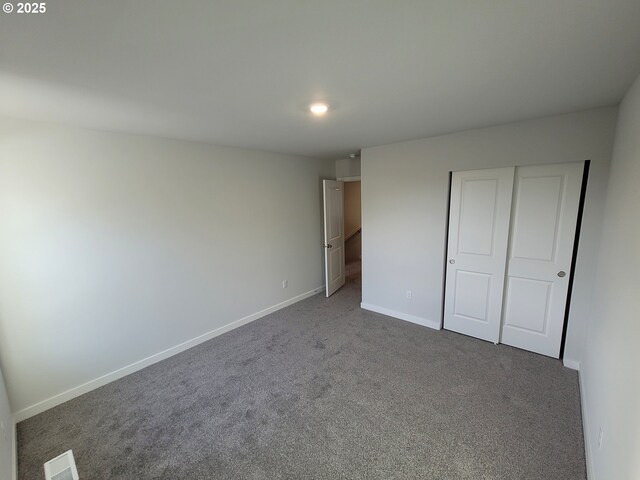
145, 362
585, 427
425, 322
571, 363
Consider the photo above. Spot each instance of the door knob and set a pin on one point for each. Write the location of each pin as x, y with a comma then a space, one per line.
328, 246
452, 261
561, 273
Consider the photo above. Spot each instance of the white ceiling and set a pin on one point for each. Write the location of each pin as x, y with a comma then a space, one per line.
242, 72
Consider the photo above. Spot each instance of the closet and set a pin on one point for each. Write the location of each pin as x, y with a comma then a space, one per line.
509, 253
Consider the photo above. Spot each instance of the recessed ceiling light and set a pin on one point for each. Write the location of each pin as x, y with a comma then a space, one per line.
319, 108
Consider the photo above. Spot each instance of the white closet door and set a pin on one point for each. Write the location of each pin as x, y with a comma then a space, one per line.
477, 251
543, 226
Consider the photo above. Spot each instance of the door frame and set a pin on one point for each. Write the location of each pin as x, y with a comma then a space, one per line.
344, 180
574, 256
446, 251
349, 179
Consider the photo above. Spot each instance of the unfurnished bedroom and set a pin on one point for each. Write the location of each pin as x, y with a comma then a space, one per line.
319, 240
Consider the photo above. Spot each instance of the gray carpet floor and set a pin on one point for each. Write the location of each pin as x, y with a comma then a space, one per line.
324, 390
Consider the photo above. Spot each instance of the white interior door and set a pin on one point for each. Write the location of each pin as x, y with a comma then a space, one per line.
333, 194
543, 227
477, 251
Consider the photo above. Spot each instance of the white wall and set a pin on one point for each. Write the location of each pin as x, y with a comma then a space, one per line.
116, 247
347, 167
405, 197
6, 434
610, 372
352, 208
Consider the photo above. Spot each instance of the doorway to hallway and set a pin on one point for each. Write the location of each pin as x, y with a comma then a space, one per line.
353, 232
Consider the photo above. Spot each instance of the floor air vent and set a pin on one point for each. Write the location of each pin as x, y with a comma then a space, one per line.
63, 467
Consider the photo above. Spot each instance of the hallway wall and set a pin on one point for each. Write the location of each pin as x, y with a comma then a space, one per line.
352, 221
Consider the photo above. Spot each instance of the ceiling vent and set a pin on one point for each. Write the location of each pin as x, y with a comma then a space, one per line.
63, 467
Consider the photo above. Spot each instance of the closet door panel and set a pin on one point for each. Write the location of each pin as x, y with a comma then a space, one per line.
545, 208
477, 249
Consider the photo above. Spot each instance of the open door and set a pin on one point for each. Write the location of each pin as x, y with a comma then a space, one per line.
333, 195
